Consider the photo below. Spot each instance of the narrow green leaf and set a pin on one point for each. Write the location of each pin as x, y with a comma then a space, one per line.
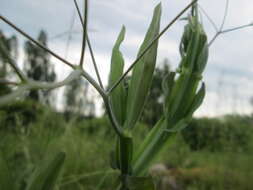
203, 57
187, 98
143, 72
179, 126
6, 180
185, 40
140, 183
167, 85
150, 148
45, 176
118, 95
148, 139
197, 101
176, 96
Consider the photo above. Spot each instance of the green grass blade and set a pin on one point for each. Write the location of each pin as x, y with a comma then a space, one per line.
45, 177
118, 95
143, 72
6, 181
140, 183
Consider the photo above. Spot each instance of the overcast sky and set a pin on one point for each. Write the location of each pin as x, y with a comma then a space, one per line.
228, 75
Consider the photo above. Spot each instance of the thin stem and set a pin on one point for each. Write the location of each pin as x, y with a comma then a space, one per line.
236, 28
227, 31
209, 18
90, 47
115, 124
12, 63
75, 74
30, 85
213, 39
94, 63
225, 15
63, 34
111, 115
21, 90
85, 18
94, 84
150, 45
36, 42
6, 82
24, 78
12, 96
70, 35
220, 30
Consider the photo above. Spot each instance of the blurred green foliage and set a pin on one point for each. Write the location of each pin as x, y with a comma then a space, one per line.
223, 159
217, 134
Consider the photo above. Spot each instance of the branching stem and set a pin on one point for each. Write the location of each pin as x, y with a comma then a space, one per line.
7, 82
100, 88
85, 18
36, 42
90, 47
12, 63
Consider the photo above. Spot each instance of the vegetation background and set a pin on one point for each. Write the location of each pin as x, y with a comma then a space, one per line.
212, 153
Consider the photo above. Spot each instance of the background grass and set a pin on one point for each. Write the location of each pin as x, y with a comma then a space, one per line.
209, 154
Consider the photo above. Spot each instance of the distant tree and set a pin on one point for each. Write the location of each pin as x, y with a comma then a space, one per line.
38, 67
251, 102
154, 107
77, 99
10, 45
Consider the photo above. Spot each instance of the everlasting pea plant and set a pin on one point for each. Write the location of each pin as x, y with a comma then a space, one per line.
183, 89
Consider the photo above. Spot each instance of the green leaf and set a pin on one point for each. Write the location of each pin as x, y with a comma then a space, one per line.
140, 183
167, 85
143, 72
197, 101
179, 126
118, 95
6, 180
45, 176
203, 56
150, 148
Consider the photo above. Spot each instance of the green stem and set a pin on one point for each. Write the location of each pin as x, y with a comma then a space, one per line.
112, 117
